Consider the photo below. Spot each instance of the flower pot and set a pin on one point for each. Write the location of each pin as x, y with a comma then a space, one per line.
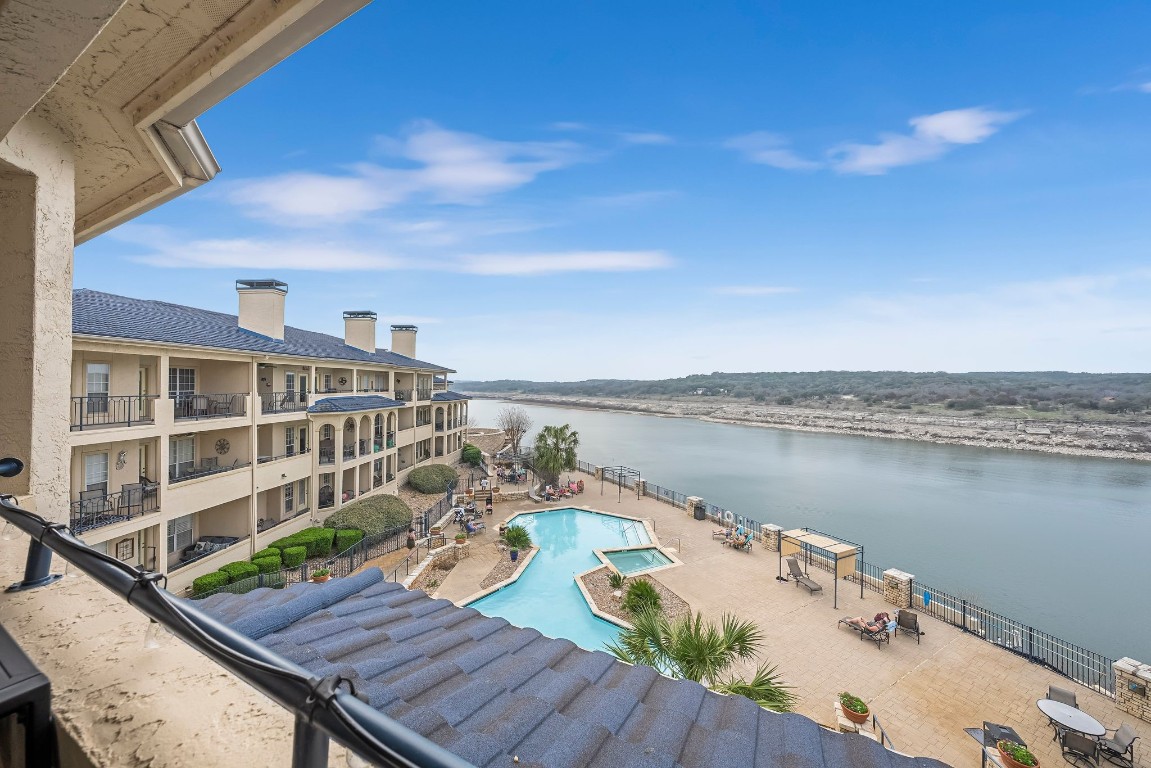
515, 555
1010, 761
859, 718
321, 579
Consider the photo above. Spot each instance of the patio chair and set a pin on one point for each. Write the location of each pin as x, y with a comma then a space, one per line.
879, 636
200, 405
742, 541
131, 499
1077, 747
799, 577
1120, 747
1062, 695
908, 623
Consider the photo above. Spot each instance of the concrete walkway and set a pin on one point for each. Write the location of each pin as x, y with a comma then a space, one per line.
924, 694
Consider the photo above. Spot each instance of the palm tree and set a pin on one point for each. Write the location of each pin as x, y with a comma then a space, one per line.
555, 451
690, 648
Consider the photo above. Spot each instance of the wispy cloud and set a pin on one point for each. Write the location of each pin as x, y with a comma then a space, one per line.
632, 199
572, 261
753, 290
931, 137
766, 148
567, 125
426, 163
646, 138
1144, 87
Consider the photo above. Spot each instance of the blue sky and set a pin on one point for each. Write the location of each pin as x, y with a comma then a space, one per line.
641, 190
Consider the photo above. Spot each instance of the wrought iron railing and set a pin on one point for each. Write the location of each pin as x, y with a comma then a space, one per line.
98, 511
95, 411
283, 402
288, 455
210, 406
365, 447
327, 455
403, 395
423, 394
180, 475
391, 442
349, 451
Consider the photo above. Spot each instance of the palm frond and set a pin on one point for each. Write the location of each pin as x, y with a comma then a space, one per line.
766, 689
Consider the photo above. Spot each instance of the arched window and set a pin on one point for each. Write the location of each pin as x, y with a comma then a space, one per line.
326, 432
378, 426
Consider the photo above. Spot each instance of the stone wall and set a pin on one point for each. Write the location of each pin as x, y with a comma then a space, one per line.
771, 535
897, 587
1132, 680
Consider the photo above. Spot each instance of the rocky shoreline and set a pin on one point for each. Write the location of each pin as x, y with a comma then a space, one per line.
1099, 439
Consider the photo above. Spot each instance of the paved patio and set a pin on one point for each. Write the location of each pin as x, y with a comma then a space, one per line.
924, 695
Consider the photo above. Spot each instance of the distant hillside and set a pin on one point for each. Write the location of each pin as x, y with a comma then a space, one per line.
1043, 391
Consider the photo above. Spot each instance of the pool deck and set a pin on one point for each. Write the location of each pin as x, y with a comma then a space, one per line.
924, 695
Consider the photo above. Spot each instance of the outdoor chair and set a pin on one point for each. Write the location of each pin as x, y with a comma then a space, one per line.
1120, 747
739, 542
200, 405
908, 623
799, 577
1062, 695
131, 499
879, 636
1077, 747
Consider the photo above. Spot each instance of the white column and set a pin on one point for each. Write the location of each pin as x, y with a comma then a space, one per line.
37, 220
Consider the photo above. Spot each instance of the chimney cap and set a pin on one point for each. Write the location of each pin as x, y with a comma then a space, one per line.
405, 328
359, 314
264, 284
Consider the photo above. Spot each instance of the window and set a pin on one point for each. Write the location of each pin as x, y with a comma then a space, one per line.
303, 439
181, 383
182, 456
290, 441
289, 500
290, 381
326, 432
327, 382
379, 427
96, 379
179, 534
96, 472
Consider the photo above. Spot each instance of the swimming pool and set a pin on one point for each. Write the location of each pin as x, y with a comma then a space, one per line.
546, 596
633, 561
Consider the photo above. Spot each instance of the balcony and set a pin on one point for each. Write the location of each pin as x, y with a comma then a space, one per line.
423, 422
365, 447
95, 411
377, 481
327, 455
349, 452
391, 443
377, 445
423, 394
439, 426
404, 395
283, 402
210, 406
290, 454
95, 509
390, 477
206, 468
203, 547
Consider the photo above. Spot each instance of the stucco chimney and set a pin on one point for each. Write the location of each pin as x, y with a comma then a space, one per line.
262, 306
404, 340
360, 329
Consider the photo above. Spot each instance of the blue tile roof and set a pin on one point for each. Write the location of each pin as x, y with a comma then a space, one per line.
488, 691
353, 403
449, 396
104, 314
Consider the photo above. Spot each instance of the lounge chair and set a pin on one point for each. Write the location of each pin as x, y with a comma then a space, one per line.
879, 636
721, 533
907, 622
1077, 747
739, 542
799, 577
1120, 747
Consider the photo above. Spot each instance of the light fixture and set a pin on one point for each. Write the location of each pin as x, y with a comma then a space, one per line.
10, 531
152, 635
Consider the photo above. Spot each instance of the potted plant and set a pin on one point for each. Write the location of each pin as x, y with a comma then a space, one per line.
517, 538
1016, 755
853, 708
321, 575
461, 537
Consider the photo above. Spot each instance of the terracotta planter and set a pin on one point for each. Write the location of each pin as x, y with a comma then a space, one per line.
859, 718
320, 579
1010, 761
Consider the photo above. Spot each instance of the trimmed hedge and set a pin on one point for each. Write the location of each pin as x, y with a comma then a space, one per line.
268, 564
239, 570
208, 582
346, 537
433, 478
373, 515
317, 540
471, 454
293, 556
269, 552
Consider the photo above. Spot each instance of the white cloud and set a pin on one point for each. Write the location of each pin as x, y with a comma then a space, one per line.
252, 253
568, 126
572, 261
753, 290
1145, 87
931, 137
633, 199
429, 164
771, 149
647, 138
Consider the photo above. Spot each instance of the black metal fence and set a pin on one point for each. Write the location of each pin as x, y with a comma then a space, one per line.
107, 509
283, 402
210, 406
108, 411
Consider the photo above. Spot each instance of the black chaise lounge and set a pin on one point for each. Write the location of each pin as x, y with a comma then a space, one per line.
799, 577
879, 636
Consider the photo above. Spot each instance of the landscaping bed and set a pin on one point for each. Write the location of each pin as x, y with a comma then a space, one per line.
672, 605
503, 569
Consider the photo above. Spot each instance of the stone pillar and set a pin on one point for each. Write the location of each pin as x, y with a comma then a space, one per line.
37, 222
897, 587
640, 488
1132, 679
693, 503
772, 534
598, 475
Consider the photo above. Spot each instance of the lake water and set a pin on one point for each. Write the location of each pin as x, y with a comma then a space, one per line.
1058, 542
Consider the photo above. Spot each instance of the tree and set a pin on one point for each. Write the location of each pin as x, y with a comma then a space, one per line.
515, 423
555, 452
690, 648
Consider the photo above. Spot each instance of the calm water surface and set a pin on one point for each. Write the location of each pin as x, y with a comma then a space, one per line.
1059, 542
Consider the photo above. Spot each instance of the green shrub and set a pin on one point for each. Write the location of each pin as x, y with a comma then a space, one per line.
517, 537
268, 564
317, 540
471, 454
433, 478
639, 596
373, 515
239, 570
293, 556
209, 582
346, 537
268, 552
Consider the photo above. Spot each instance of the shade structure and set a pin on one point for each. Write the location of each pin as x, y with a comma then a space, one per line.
836, 555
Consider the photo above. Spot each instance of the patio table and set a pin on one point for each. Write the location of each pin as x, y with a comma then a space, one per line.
1071, 717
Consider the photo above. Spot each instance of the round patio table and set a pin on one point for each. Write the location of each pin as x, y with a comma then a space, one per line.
1071, 717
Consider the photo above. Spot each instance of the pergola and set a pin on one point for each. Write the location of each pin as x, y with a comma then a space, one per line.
838, 555
623, 475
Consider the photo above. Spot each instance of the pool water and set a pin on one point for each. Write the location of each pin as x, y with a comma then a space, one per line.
545, 596
636, 560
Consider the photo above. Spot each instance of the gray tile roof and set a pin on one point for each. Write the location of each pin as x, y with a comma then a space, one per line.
104, 314
487, 690
444, 397
353, 403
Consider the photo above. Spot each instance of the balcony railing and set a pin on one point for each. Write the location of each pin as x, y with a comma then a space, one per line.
440, 386
218, 543
391, 443
206, 468
365, 447
99, 509
390, 476
377, 481
95, 411
327, 455
377, 444
210, 406
349, 451
423, 394
373, 389
439, 426
288, 455
283, 402
423, 422
404, 395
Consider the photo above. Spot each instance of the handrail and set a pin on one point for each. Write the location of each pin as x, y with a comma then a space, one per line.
327, 707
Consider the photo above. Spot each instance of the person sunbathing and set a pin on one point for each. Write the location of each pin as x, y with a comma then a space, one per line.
875, 625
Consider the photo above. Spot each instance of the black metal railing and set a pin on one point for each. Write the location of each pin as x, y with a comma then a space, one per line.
204, 470
403, 395
288, 455
210, 406
423, 421
323, 708
423, 394
223, 542
377, 481
283, 402
349, 451
391, 442
95, 411
390, 476
98, 511
365, 447
327, 455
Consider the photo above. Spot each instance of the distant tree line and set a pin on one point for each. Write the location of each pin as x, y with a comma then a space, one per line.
1044, 391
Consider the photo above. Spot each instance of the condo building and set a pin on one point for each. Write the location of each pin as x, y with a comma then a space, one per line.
199, 437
